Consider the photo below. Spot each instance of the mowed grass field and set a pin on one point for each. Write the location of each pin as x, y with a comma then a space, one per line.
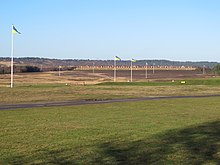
170, 131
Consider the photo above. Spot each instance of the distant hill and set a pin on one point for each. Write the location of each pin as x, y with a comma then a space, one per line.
46, 62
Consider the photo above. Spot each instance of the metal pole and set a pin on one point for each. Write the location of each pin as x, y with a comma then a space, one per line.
203, 70
12, 58
114, 70
131, 71
153, 67
93, 70
59, 70
146, 70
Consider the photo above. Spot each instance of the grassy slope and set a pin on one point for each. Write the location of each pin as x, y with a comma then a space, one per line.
61, 92
178, 131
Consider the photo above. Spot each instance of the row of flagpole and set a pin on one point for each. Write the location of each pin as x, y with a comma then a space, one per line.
15, 31
132, 60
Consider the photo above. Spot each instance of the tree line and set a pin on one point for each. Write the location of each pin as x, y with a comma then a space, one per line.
35, 61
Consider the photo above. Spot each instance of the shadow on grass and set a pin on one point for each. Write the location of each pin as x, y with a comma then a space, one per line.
193, 145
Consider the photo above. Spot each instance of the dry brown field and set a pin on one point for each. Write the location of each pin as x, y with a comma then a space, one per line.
88, 77
140, 75
78, 85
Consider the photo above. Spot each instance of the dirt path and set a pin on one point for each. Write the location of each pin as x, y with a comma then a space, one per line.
85, 102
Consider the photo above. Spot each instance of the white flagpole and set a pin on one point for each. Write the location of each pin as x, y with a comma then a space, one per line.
115, 70
93, 68
153, 67
131, 71
59, 70
146, 70
12, 58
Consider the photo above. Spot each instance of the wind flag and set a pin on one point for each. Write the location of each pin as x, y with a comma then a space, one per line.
133, 60
117, 58
14, 30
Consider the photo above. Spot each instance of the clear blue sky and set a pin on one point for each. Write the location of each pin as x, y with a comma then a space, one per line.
183, 30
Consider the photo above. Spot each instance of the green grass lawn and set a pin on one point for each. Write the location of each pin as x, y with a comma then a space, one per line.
172, 131
209, 81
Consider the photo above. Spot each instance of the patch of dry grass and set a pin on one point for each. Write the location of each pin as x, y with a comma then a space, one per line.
69, 77
61, 92
47, 87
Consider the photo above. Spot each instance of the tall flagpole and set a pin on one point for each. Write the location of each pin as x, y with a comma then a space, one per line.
131, 71
12, 58
153, 67
59, 70
146, 70
115, 70
93, 68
